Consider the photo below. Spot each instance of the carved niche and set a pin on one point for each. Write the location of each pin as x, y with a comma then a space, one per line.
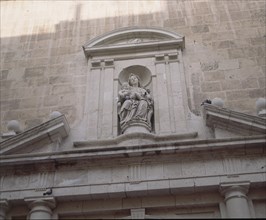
156, 103
135, 101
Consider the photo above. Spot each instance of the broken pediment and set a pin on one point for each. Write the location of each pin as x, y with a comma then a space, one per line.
42, 138
226, 123
136, 38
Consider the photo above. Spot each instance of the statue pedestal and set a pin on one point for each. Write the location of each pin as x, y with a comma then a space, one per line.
136, 126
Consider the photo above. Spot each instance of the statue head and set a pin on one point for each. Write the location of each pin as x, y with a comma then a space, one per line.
134, 79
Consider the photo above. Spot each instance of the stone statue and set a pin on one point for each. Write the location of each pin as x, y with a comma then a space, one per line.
135, 104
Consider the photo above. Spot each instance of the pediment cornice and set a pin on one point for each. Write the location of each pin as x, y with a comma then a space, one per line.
233, 121
50, 130
133, 39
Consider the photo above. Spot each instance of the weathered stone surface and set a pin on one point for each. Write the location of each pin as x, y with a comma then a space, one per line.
43, 69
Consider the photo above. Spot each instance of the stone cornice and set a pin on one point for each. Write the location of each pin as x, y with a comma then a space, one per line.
50, 130
232, 120
88, 152
114, 41
134, 48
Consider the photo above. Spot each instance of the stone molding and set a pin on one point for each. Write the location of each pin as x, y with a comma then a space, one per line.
233, 121
90, 152
52, 130
104, 43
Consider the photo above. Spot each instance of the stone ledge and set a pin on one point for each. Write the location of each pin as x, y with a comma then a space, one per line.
136, 150
135, 138
174, 186
232, 120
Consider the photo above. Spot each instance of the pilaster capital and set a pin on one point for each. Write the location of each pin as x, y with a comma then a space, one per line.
235, 189
4, 205
48, 202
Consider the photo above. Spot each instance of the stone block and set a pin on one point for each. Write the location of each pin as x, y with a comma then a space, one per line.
3, 74
62, 89
209, 66
131, 203
154, 171
228, 64
262, 82
57, 69
99, 191
50, 100
214, 75
178, 186
235, 53
242, 105
209, 183
250, 83
158, 187
136, 189
37, 53
99, 175
60, 79
237, 95
70, 178
223, 44
193, 168
162, 201
117, 190
210, 87
174, 22
257, 93
7, 105
34, 72
200, 29
231, 84
79, 80
32, 102
172, 170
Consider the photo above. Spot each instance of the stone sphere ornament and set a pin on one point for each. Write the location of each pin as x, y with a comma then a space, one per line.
261, 107
218, 102
55, 114
13, 125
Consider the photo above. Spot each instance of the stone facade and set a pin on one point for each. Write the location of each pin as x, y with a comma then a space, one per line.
65, 153
43, 67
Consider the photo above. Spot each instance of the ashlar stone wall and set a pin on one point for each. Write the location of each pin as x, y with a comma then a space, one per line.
43, 67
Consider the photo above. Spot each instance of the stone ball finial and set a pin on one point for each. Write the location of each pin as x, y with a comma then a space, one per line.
218, 102
13, 125
261, 106
55, 114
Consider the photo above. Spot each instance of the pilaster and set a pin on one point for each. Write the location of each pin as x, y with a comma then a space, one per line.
3, 208
236, 199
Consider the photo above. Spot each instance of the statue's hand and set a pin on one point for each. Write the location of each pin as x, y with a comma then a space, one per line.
119, 104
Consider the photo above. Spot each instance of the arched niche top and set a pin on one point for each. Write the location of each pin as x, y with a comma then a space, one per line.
133, 39
143, 72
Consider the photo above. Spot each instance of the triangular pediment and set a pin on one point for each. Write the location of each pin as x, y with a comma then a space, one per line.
233, 123
41, 138
133, 37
